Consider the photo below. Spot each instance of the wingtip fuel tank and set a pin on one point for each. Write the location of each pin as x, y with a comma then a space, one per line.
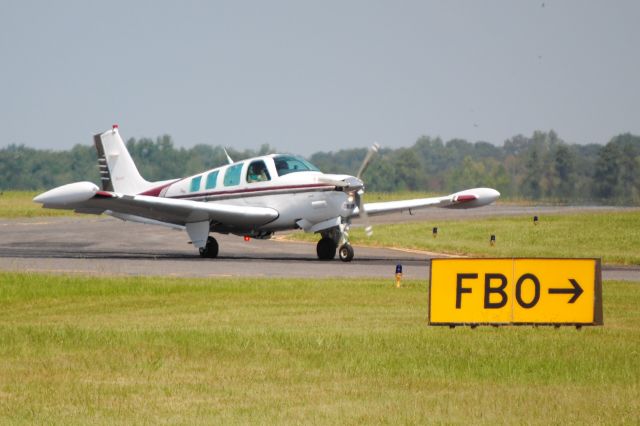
68, 194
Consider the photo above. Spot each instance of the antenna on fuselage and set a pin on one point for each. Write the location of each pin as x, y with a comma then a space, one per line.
229, 160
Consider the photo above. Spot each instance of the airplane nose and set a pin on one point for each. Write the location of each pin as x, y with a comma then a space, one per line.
353, 184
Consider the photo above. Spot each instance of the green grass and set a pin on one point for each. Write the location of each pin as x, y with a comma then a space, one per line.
19, 204
612, 236
77, 350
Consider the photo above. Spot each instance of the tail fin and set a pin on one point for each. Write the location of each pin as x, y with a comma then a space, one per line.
118, 172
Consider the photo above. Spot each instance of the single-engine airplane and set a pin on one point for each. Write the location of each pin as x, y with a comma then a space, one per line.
252, 198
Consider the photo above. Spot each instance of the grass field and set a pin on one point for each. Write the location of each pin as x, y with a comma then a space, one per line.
612, 236
76, 350
19, 204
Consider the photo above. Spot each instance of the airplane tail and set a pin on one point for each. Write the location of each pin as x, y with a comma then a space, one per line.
118, 172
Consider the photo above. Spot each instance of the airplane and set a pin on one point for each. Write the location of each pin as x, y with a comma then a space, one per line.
253, 198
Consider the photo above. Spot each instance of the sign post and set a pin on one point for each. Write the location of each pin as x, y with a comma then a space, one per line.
515, 291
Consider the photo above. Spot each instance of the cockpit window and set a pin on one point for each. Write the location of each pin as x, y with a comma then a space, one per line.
286, 164
257, 172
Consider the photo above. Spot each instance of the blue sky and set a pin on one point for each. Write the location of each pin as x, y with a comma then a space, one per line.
317, 76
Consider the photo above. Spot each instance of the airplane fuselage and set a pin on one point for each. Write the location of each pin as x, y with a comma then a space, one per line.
295, 193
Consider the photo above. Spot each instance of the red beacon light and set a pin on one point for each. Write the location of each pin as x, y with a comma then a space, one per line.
247, 238
114, 127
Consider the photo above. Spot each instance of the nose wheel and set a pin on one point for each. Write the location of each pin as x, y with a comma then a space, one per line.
345, 252
335, 239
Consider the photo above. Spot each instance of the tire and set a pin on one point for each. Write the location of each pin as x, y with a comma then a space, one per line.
211, 249
346, 253
326, 249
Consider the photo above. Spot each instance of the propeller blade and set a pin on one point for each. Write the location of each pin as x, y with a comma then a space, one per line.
368, 229
365, 163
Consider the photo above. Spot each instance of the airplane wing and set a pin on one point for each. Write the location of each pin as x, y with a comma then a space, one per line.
85, 197
469, 198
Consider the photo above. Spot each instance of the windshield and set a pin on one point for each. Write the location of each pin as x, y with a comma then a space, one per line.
286, 164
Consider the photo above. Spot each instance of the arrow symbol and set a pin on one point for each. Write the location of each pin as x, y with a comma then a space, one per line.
576, 290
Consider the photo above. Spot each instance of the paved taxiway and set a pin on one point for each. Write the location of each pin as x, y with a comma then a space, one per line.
103, 245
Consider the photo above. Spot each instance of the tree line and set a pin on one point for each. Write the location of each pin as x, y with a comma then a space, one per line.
539, 167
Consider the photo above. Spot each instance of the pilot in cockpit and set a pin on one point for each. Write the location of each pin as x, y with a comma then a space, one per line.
257, 172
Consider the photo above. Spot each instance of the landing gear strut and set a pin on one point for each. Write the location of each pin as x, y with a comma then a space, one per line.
210, 250
331, 239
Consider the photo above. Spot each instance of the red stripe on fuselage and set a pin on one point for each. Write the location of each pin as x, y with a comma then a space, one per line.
256, 190
154, 192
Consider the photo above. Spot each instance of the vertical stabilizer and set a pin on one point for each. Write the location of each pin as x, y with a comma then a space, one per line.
118, 172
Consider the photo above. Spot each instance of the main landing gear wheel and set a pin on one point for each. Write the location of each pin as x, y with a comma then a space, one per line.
211, 249
326, 249
346, 252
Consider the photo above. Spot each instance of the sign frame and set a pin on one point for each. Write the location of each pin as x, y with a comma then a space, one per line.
597, 296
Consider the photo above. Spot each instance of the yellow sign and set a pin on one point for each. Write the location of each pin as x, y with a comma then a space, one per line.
515, 291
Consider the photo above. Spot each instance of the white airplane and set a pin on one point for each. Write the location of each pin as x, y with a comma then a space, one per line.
252, 198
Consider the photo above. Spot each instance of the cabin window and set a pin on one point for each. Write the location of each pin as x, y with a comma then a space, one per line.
232, 175
286, 164
195, 184
211, 180
257, 172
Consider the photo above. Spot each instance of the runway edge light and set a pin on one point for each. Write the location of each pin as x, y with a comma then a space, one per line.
515, 291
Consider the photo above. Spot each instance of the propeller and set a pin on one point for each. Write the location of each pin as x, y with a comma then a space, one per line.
368, 229
355, 187
359, 193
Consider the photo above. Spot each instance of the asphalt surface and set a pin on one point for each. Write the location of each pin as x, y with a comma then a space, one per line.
107, 246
